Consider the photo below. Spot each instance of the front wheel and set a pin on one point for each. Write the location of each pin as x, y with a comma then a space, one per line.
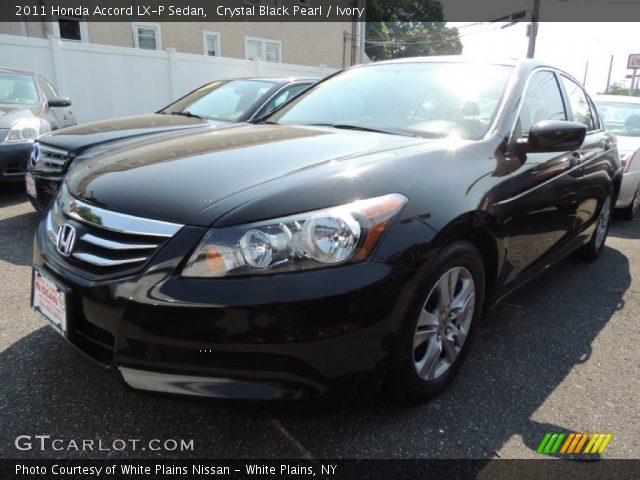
592, 250
434, 337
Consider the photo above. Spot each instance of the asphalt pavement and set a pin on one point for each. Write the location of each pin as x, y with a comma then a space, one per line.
561, 355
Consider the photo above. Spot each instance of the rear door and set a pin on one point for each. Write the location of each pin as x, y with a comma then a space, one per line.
593, 158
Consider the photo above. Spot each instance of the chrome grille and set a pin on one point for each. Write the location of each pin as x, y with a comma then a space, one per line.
3, 134
48, 159
107, 243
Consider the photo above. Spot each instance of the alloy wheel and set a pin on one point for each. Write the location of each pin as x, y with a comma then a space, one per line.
444, 323
636, 202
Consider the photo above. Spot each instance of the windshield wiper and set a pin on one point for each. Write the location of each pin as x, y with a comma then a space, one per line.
350, 126
187, 113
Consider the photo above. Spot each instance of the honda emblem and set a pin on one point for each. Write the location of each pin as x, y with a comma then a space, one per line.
66, 240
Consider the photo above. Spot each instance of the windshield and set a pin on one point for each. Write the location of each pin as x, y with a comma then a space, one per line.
223, 100
18, 89
434, 100
621, 118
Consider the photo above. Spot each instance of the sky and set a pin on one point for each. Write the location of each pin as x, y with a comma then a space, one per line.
566, 45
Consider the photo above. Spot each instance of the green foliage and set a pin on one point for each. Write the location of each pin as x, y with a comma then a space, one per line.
619, 89
408, 28
385, 40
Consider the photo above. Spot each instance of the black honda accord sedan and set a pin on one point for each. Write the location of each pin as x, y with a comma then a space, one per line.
348, 243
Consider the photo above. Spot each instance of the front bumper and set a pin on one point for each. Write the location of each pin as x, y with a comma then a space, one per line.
630, 181
291, 336
13, 161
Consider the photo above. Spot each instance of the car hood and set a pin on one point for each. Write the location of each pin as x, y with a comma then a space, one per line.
79, 138
9, 114
179, 178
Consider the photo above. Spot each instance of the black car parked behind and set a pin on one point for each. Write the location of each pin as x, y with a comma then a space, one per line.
216, 103
29, 107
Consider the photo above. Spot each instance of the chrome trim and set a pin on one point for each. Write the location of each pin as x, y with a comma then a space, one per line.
109, 220
58, 151
50, 159
111, 245
105, 262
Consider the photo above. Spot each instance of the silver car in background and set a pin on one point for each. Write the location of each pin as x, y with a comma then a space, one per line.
621, 115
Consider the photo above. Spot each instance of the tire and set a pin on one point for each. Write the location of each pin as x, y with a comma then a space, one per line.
628, 213
418, 370
592, 250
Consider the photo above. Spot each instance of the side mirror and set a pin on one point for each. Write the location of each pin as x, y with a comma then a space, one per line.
59, 102
553, 136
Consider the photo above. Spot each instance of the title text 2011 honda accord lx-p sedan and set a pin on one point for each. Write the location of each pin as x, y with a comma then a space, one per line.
350, 241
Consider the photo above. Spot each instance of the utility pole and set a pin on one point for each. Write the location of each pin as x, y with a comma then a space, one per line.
533, 28
609, 75
363, 27
586, 69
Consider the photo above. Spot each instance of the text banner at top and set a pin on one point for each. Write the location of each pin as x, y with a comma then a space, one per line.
319, 10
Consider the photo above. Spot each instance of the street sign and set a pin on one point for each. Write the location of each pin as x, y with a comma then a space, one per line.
634, 61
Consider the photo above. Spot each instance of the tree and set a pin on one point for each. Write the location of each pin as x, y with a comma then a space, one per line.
408, 28
620, 89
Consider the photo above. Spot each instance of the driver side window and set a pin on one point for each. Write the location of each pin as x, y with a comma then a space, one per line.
542, 101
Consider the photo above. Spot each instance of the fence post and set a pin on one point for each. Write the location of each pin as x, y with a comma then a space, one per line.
173, 73
58, 65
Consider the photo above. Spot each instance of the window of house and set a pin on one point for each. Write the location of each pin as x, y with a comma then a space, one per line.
211, 42
267, 50
147, 36
542, 101
71, 28
579, 103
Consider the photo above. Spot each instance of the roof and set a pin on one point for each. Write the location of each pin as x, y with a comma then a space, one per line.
276, 79
617, 99
524, 65
17, 70
464, 59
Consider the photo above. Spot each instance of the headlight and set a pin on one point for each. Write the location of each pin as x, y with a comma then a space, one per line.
298, 242
24, 130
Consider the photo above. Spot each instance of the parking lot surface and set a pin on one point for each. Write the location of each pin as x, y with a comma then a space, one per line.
561, 355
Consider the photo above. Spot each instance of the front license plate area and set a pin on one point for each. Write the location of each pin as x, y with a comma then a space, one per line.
31, 186
51, 300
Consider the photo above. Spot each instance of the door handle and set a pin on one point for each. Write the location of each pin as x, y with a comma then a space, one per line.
576, 159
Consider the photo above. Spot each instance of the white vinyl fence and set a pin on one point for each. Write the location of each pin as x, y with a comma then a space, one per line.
107, 81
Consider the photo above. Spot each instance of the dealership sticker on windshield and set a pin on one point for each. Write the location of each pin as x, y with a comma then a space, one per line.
31, 186
50, 300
